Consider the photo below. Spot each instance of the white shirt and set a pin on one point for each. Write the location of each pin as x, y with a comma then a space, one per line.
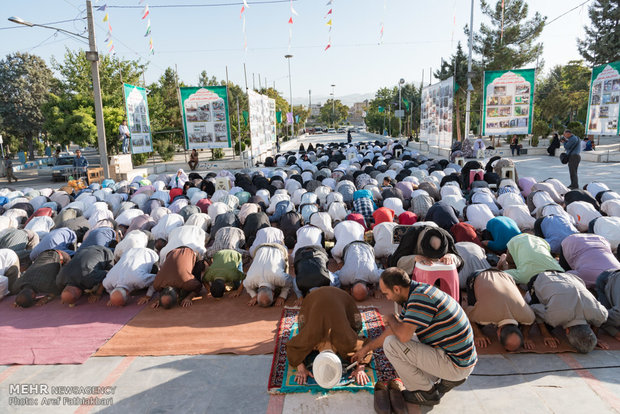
133, 239
583, 213
267, 235
166, 224
308, 236
521, 215
383, 233
125, 218
478, 215
133, 271
346, 232
189, 236
323, 221
359, 264
268, 270
123, 130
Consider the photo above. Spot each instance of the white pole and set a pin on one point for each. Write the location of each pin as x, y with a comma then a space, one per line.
469, 74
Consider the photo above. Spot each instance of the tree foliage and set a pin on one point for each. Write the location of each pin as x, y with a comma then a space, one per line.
602, 41
517, 46
25, 81
333, 112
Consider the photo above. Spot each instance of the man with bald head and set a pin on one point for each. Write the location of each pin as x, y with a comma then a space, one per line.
268, 273
38, 283
84, 273
494, 299
360, 272
134, 271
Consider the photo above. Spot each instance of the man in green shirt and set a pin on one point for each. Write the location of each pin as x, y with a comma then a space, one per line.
527, 256
225, 270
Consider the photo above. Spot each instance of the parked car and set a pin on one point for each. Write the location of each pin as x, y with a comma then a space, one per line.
331, 131
341, 131
58, 169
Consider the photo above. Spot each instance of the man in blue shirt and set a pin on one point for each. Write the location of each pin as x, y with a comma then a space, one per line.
80, 161
572, 145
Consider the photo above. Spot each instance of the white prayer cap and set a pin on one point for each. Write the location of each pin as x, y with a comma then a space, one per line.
327, 369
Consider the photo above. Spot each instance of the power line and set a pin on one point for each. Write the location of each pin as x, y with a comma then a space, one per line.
565, 13
202, 5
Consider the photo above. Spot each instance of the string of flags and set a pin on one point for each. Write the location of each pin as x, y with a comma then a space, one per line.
242, 16
145, 13
290, 25
382, 22
108, 38
329, 23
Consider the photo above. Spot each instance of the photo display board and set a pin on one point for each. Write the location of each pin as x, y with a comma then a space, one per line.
262, 115
436, 114
138, 121
205, 117
604, 105
508, 102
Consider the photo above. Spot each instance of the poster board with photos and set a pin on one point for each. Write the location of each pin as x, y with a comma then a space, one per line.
205, 117
436, 114
138, 121
508, 101
604, 103
262, 113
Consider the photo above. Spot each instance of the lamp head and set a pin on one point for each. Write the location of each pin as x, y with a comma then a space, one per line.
19, 20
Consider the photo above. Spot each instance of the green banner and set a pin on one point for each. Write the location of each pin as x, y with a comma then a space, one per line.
508, 102
604, 103
138, 121
205, 117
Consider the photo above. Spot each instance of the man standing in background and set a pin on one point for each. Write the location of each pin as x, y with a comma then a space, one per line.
572, 145
124, 135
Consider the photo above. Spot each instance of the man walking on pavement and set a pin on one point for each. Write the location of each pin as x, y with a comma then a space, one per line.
572, 145
8, 167
124, 134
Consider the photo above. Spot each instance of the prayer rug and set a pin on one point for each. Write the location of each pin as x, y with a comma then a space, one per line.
57, 334
282, 376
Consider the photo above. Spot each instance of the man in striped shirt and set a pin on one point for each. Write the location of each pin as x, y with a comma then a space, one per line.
430, 344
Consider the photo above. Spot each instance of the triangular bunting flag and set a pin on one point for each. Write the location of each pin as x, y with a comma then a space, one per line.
329, 12
105, 18
148, 31
108, 37
245, 3
109, 27
145, 12
329, 23
290, 21
242, 10
329, 2
102, 8
328, 46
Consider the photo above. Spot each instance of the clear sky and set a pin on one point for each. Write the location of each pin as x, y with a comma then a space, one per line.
417, 34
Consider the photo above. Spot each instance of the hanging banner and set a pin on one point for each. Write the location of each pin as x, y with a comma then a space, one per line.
604, 104
262, 122
137, 110
205, 117
436, 114
508, 102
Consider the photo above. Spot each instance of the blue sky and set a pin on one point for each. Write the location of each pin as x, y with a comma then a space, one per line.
417, 34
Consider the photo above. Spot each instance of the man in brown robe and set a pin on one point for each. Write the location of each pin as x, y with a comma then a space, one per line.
328, 320
178, 279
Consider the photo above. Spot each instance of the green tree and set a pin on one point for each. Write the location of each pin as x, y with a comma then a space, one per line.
25, 82
562, 95
205, 80
602, 41
517, 46
164, 109
70, 112
333, 112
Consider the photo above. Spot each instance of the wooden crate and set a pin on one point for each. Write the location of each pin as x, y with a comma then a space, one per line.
95, 175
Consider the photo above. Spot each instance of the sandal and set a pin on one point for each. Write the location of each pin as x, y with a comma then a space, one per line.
426, 398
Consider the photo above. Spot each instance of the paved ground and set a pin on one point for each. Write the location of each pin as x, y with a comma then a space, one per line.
237, 384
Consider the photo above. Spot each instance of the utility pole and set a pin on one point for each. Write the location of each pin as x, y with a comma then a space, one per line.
470, 88
333, 106
290, 85
93, 57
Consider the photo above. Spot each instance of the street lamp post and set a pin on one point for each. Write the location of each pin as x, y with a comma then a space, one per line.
93, 57
400, 100
290, 86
